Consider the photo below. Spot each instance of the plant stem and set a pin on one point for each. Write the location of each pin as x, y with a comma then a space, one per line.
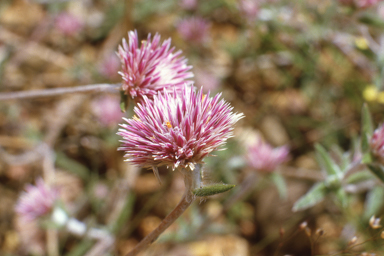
191, 179
59, 91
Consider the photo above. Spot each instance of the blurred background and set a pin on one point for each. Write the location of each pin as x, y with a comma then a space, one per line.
300, 72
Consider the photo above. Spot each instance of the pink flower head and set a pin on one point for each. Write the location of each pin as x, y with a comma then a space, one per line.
177, 130
249, 8
152, 67
107, 110
366, 3
194, 30
262, 157
377, 143
36, 201
110, 66
188, 4
68, 24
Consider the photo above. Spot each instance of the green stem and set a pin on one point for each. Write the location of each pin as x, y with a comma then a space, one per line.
192, 180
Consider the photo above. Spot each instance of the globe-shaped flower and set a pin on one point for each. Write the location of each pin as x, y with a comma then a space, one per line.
263, 157
37, 201
177, 130
377, 143
152, 67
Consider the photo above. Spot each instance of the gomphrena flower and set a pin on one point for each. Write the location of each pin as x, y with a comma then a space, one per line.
37, 201
263, 157
177, 130
152, 67
377, 143
194, 30
68, 24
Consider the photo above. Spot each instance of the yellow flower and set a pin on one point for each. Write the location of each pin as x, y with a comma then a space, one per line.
370, 93
361, 43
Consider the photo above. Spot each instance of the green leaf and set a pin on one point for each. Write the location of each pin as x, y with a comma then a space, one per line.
212, 189
366, 129
371, 20
342, 197
326, 161
374, 202
359, 177
72, 165
377, 170
123, 101
280, 184
315, 195
367, 158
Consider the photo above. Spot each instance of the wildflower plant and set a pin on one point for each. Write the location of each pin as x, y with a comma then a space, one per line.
344, 172
152, 67
177, 130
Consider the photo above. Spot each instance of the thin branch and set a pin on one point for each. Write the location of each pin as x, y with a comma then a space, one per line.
59, 91
190, 178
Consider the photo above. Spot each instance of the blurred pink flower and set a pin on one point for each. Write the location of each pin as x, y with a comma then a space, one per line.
177, 130
366, 3
377, 143
110, 66
68, 24
37, 201
249, 8
263, 157
152, 67
188, 4
207, 80
107, 110
194, 30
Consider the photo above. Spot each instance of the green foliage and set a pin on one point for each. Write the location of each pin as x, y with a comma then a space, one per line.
315, 195
214, 189
327, 162
378, 170
374, 202
280, 184
366, 133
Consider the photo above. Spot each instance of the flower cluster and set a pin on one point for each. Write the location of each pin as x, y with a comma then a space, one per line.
177, 130
152, 67
263, 157
37, 201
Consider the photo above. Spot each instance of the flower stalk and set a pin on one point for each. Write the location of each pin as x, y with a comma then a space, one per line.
192, 179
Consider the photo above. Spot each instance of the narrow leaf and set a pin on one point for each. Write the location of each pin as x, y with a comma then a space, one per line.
280, 184
342, 197
123, 101
212, 189
377, 170
326, 161
366, 129
359, 177
374, 202
315, 195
